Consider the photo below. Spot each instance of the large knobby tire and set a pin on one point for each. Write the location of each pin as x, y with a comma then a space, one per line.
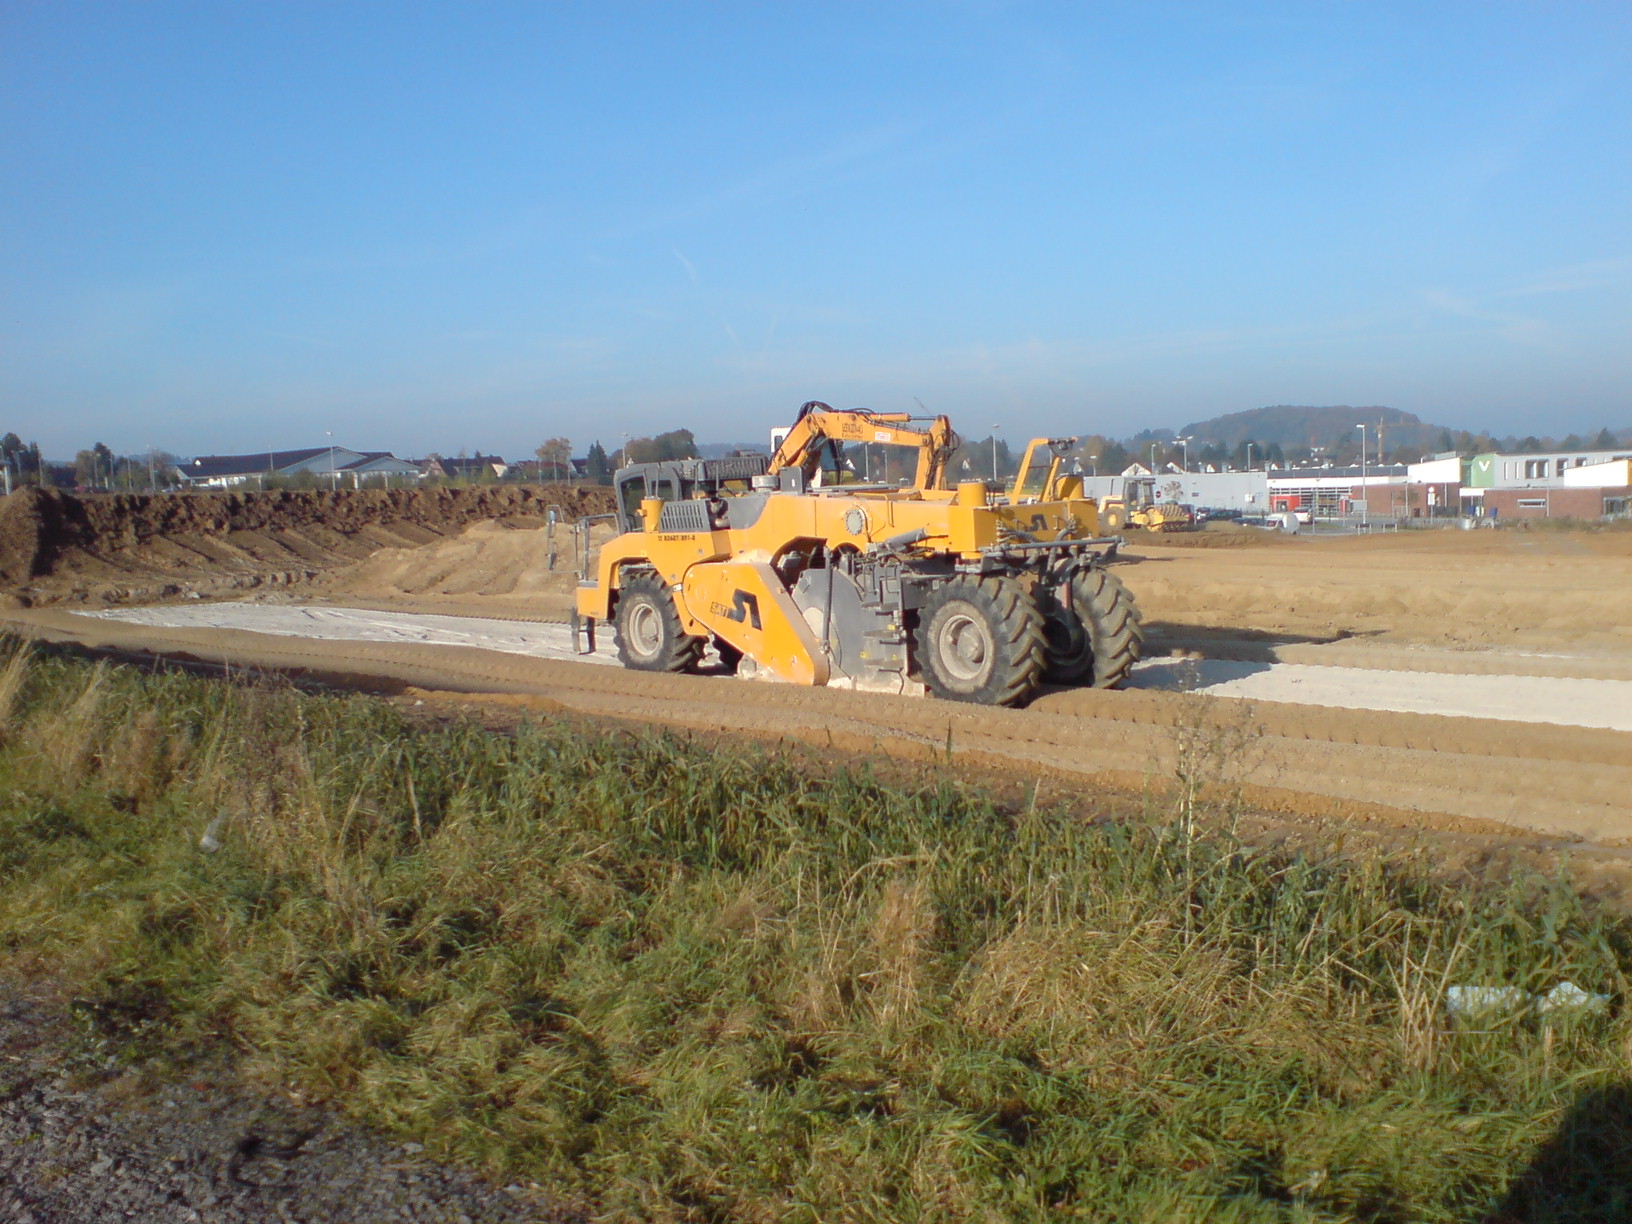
1098, 638
980, 640
648, 629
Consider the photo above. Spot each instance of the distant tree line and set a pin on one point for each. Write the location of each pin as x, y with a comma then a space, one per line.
99, 468
676, 444
1158, 448
95, 469
22, 461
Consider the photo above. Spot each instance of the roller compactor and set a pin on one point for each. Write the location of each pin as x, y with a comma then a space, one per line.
796, 571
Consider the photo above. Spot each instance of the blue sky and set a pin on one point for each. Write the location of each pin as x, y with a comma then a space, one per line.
226, 226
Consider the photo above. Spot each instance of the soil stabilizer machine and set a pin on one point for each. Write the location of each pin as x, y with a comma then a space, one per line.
796, 571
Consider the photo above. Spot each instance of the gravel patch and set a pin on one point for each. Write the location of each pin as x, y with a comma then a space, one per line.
82, 1143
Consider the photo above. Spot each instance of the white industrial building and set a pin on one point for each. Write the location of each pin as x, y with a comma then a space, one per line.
334, 465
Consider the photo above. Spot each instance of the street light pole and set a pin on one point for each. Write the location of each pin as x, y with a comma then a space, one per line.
1364, 502
1249, 456
994, 452
1185, 443
1153, 458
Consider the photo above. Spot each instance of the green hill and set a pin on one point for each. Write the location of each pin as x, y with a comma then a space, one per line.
1297, 426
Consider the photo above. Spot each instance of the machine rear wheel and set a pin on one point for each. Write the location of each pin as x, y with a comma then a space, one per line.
980, 640
1098, 638
648, 629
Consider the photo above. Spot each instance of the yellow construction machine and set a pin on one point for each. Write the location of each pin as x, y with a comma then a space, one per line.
1160, 517
1138, 507
795, 570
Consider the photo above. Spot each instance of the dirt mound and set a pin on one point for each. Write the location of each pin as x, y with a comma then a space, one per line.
490, 568
57, 545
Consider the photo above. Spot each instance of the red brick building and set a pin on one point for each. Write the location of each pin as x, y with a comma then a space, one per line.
1557, 503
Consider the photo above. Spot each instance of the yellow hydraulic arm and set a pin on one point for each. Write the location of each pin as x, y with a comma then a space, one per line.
818, 424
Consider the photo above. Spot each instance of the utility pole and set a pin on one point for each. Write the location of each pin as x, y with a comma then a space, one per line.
1364, 503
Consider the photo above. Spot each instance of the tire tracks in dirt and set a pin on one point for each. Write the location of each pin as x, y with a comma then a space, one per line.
1404, 770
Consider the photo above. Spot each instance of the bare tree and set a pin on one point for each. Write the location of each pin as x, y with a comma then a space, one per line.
555, 459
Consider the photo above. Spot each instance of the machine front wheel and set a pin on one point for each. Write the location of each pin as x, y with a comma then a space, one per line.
980, 640
648, 629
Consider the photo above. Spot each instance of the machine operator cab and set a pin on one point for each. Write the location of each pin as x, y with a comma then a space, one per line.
834, 466
688, 488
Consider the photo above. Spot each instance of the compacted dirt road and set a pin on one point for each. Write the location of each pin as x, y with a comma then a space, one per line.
1569, 782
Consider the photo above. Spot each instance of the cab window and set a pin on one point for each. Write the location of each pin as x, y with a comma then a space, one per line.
629, 494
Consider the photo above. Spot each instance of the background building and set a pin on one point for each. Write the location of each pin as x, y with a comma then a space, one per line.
333, 465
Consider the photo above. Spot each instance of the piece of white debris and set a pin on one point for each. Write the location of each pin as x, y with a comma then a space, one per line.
1567, 996
1481, 1000
1466, 1001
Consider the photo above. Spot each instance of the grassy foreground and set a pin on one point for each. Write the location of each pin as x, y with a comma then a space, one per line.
684, 985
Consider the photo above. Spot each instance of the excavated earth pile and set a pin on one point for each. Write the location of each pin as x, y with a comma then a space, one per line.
60, 547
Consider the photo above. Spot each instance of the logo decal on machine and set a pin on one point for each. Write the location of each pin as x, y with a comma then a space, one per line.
744, 607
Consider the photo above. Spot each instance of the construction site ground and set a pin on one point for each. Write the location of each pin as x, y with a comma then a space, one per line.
1501, 660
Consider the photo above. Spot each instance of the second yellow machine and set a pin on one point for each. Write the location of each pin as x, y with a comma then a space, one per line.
795, 570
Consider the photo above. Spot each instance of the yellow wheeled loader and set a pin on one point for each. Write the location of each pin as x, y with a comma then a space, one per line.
1138, 507
1161, 517
795, 571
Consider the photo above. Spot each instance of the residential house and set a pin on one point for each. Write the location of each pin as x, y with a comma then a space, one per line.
474, 468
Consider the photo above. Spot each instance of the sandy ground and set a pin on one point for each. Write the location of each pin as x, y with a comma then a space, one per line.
1446, 680
1513, 698
1565, 782
1563, 593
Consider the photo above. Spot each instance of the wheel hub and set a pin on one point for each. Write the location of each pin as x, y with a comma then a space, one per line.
645, 630
966, 646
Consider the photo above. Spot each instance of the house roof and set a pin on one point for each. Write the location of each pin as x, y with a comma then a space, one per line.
206, 467
380, 460
467, 463
215, 467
